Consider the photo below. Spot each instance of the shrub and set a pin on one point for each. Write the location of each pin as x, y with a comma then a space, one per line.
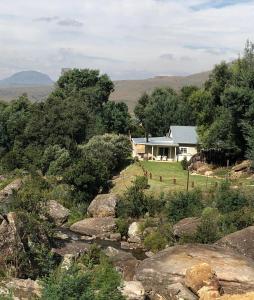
94, 281
229, 200
208, 230
155, 241
141, 182
183, 205
122, 226
185, 163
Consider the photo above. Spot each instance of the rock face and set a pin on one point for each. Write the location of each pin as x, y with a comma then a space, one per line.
10, 242
247, 296
243, 166
100, 227
103, 205
201, 275
7, 192
57, 212
21, 289
134, 233
241, 241
187, 226
124, 261
235, 272
133, 290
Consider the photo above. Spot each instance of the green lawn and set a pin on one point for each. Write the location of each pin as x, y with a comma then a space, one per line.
173, 171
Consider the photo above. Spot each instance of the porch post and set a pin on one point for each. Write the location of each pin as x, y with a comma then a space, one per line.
152, 152
175, 154
170, 152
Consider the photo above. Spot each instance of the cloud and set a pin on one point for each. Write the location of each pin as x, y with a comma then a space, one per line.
167, 56
70, 23
46, 19
116, 36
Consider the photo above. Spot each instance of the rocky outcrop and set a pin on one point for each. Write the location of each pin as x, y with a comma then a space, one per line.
247, 296
243, 166
57, 212
100, 227
201, 275
134, 233
133, 290
124, 261
21, 289
10, 243
241, 241
186, 227
235, 272
7, 193
103, 205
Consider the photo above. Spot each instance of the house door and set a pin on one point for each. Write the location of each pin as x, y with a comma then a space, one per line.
163, 152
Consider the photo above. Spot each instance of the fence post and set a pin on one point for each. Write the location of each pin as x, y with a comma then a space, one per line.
188, 178
160, 178
151, 175
192, 184
174, 181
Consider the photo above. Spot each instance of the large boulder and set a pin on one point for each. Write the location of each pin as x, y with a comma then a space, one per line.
134, 233
235, 272
133, 290
243, 166
124, 261
10, 243
20, 289
99, 227
103, 205
6, 194
241, 241
57, 212
186, 227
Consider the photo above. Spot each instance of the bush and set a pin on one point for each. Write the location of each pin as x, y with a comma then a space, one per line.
141, 182
229, 200
183, 205
155, 241
90, 281
185, 163
208, 230
122, 226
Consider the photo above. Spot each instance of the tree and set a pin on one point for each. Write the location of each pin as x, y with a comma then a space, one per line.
116, 118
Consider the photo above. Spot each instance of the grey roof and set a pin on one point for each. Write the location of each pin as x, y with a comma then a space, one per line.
158, 141
184, 134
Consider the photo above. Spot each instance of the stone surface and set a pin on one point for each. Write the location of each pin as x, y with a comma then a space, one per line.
201, 275
100, 227
187, 226
57, 212
124, 261
21, 289
243, 166
7, 193
208, 293
178, 291
133, 290
67, 261
241, 241
10, 242
134, 233
115, 236
247, 296
235, 272
103, 205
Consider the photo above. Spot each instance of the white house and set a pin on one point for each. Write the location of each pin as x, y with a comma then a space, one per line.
180, 142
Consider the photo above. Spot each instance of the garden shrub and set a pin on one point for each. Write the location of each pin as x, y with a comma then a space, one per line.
184, 204
122, 226
185, 163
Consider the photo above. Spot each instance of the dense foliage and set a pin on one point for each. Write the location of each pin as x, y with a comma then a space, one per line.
223, 110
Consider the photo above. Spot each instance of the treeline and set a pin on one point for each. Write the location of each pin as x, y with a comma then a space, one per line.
223, 110
66, 134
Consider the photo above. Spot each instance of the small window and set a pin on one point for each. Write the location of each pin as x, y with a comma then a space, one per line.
183, 150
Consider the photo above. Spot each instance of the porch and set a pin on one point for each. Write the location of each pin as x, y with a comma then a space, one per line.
161, 153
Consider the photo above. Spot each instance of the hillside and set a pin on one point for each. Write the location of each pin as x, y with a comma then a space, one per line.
125, 90
27, 78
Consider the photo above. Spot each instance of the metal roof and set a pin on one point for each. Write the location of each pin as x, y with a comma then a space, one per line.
155, 141
184, 134
178, 135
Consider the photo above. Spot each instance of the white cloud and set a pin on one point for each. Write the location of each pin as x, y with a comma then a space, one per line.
125, 38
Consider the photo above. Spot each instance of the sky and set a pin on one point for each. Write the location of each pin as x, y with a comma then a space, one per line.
127, 39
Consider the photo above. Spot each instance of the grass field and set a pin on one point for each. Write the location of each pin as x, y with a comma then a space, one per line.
174, 178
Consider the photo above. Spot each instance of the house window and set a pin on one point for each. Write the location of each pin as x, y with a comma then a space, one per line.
183, 150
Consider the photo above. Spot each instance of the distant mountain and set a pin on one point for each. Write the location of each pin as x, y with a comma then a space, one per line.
127, 91
27, 78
